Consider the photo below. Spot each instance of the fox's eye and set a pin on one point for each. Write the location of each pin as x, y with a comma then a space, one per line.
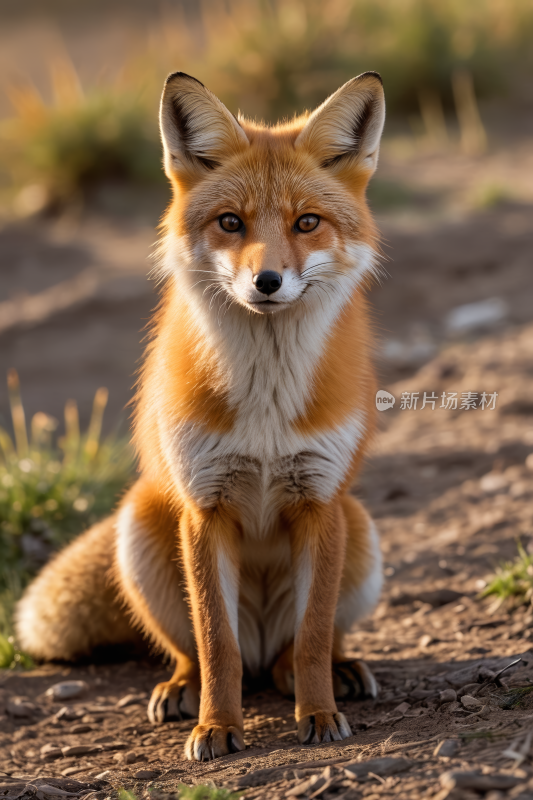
230, 223
307, 223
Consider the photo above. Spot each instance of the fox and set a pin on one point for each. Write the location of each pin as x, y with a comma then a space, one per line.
240, 549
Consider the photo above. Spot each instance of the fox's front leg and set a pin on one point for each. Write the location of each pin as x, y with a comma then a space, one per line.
318, 543
210, 552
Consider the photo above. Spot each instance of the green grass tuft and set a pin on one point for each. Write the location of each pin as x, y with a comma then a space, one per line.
50, 490
514, 698
512, 582
183, 792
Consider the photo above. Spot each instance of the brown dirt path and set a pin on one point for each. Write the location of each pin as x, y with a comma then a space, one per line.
451, 492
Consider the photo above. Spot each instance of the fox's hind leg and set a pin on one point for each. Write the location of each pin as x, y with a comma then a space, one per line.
360, 589
151, 582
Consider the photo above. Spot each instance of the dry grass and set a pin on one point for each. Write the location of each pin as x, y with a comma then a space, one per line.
269, 59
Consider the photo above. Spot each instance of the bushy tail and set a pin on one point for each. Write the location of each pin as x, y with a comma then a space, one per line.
73, 607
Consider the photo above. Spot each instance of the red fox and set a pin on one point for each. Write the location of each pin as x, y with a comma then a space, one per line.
240, 544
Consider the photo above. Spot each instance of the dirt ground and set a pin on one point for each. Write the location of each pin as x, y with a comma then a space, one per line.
450, 490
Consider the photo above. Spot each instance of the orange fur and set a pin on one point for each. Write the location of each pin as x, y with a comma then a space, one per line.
239, 542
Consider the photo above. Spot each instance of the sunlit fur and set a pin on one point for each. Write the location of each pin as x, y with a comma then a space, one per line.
240, 543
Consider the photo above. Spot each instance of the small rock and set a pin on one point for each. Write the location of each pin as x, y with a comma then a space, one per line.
469, 688
66, 690
80, 729
447, 696
401, 709
21, 708
379, 766
493, 482
447, 748
53, 791
425, 640
146, 774
80, 749
298, 790
485, 674
49, 752
131, 700
71, 771
68, 713
126, 758
113, 746
477, 781
471, 703
104, 776
481, 315
454, 707
460, 677
439, 597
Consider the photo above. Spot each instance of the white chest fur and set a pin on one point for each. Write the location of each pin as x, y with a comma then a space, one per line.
266, 365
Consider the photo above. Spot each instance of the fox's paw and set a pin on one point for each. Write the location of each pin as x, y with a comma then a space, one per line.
173, 701
211, 741
323, 727
352, 680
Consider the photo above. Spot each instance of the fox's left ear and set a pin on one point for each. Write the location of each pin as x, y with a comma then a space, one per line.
345, 130
198, 131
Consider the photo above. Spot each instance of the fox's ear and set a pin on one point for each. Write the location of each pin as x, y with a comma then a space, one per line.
345, 130
197, 130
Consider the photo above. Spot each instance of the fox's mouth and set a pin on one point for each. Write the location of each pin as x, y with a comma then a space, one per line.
266, 306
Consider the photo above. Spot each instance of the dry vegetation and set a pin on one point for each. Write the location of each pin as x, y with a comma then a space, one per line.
269, 60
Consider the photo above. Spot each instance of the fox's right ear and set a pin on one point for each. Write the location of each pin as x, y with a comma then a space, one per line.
198, 131
343, 134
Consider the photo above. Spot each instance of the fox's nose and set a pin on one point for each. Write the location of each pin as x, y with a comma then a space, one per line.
267, 282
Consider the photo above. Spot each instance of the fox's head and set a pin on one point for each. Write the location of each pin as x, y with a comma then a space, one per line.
270, 217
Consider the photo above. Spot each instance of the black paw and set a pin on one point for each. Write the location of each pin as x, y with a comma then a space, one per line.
352, 680
171, 701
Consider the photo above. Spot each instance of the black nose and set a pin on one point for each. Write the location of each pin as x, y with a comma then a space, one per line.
267, 282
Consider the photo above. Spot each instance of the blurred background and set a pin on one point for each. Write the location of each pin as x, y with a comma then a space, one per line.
82, 190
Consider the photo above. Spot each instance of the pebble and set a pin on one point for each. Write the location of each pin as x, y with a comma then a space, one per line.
68, 713
126, 758
470, 688
471, 703
53, 791
493, 482
80, 729
66, 690
447, 748
21, 708
447, 696
131, 700
146, 774
402, 708
425, 640
481, 315
80, 749
477, 781
379, 766
50, 751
